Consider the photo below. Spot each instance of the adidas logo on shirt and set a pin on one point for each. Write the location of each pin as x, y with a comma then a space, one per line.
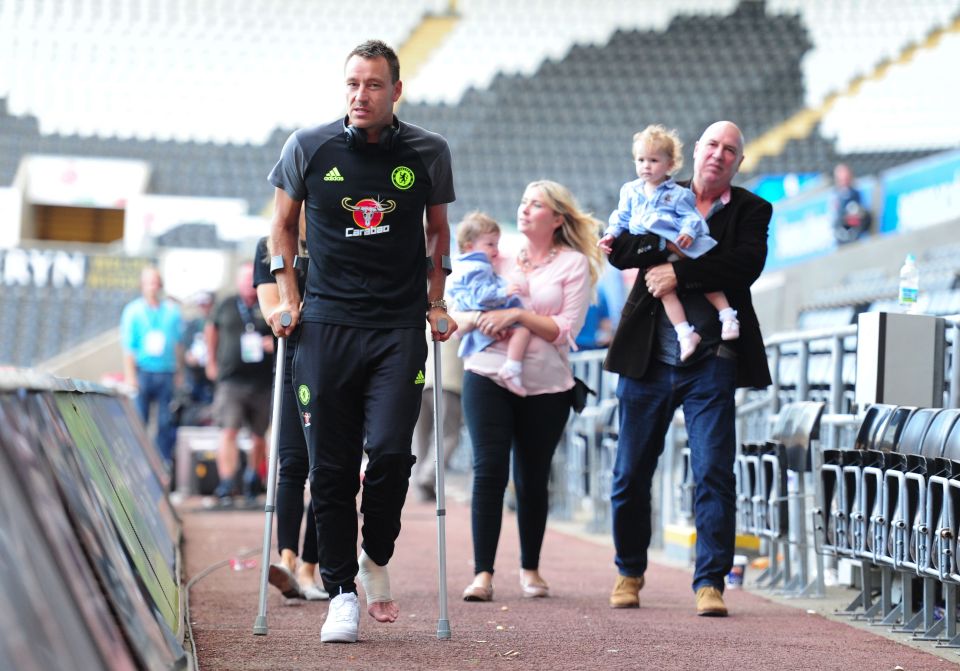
333, 176
420, 379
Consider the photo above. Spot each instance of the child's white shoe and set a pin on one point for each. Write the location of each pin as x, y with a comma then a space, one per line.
688, 345
730, 330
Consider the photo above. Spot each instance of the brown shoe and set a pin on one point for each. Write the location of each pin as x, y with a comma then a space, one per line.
710, 602
626, 592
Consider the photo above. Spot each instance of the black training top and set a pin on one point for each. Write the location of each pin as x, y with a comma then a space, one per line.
365, 213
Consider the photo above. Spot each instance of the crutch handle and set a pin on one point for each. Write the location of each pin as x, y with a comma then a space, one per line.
442, 325
285, 319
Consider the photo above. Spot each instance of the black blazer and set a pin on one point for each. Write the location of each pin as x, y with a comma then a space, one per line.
740, 229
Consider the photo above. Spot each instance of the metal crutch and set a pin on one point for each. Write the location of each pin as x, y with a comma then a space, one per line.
443, 623
260, 624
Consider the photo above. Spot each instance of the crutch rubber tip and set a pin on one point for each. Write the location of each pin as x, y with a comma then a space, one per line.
260, 626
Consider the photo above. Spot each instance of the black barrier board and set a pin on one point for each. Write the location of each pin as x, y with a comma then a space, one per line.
39, 628
120, 499
133, 424
127, 464
149, 466
143, 623
82, 591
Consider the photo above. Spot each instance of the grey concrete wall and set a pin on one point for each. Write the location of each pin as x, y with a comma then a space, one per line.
779, 296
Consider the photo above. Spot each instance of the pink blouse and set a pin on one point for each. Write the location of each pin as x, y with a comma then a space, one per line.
561, 289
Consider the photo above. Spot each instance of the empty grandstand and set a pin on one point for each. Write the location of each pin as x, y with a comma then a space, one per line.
195, 109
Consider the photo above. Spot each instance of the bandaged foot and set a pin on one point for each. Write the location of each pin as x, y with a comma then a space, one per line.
375, 581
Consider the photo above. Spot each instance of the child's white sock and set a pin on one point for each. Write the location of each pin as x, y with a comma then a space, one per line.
728, 314
511, 374
688, 339
374, 578
512, 368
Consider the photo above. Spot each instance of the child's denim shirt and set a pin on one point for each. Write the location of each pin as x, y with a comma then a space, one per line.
669, 213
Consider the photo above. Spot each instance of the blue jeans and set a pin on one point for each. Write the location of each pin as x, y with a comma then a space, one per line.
705, 390
158, 388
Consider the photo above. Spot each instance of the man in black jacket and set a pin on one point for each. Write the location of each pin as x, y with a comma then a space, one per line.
654, 383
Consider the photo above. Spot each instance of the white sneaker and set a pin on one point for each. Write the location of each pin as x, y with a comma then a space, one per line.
343, 619
688, 345
730, 330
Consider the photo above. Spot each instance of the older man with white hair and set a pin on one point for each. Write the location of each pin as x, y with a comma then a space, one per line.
654, 382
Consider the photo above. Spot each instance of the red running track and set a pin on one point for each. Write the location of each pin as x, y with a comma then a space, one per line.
573, 629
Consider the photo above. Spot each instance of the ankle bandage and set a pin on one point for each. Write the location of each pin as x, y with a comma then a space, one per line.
374, 579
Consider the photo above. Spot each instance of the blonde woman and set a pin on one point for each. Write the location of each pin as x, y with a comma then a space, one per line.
560, 261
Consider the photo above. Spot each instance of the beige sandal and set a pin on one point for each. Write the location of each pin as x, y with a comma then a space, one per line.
533, 590
283, 579
475, 592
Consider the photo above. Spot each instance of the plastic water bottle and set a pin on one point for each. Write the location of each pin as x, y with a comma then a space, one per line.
909, 285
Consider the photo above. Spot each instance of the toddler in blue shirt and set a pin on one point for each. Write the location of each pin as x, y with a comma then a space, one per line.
654, 203
475, 285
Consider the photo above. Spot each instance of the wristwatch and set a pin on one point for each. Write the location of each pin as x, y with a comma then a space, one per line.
439, 303
276, 263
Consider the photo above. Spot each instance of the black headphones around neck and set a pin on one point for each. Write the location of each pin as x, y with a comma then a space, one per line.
357, 137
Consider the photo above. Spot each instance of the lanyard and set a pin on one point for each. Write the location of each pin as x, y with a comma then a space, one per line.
154, 316
246, 315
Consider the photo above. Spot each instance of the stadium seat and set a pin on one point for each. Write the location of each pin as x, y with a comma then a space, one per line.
764, 500
871, 527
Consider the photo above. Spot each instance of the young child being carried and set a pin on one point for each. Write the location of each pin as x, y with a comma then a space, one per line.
656, 204
475, 285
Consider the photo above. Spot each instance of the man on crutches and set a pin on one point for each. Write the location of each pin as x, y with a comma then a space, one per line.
366, 180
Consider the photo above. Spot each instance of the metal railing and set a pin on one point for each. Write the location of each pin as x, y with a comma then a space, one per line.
813, 365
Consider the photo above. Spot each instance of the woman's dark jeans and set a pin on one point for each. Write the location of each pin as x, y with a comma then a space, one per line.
502, 424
